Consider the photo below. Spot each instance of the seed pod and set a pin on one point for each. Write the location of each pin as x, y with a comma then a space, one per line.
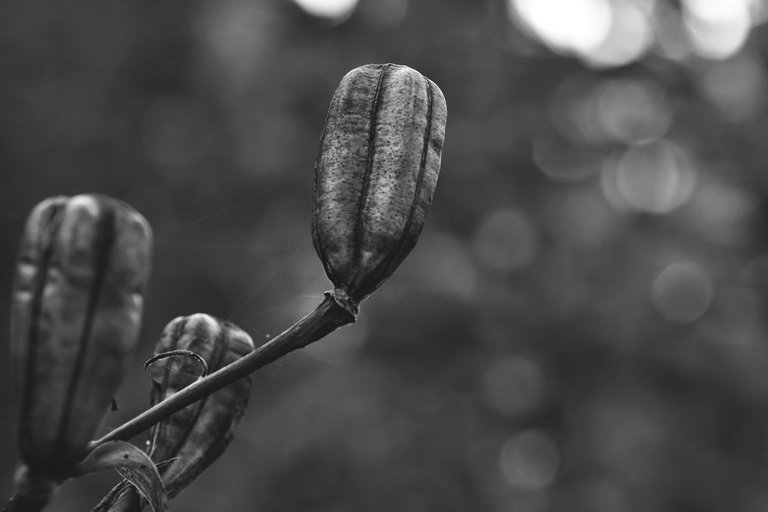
195, 436
187, 442
375, 174
76, 312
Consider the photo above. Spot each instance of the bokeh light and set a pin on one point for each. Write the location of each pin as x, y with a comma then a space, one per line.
602, 33
605, 33
329, 9
530, 460
561, 163
632, 111
654, 178
630, 36
682, 292
577, 26
628, 111
717, 29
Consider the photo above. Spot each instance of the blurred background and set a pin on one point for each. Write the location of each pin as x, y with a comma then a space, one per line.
582, 326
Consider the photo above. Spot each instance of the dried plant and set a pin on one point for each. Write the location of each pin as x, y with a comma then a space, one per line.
83, 263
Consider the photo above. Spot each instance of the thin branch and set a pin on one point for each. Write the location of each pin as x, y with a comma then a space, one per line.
326, 317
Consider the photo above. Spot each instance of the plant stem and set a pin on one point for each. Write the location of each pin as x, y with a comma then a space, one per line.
331, 314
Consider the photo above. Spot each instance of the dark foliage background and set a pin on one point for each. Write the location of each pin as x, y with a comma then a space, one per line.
582, 326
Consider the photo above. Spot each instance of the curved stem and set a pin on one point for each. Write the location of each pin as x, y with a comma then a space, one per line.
326, 317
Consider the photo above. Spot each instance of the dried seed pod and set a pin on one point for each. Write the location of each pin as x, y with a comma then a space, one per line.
195, 436
187, 442
76, 312
375, 174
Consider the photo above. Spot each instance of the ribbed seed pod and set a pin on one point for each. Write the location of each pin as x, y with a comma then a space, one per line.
187, 442
375, 174
76, 311
195, 436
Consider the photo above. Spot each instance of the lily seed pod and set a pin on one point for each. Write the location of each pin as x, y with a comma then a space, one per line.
375, 175
195, 436
76, 312
189, 441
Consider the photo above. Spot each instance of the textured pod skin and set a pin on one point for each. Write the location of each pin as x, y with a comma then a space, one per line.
76, 312
375, 173
199, 433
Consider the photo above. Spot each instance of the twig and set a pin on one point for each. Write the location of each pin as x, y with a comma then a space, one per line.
326, 317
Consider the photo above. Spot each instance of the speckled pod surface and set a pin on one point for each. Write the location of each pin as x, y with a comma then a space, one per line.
76, 312
376, 173
199, 433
